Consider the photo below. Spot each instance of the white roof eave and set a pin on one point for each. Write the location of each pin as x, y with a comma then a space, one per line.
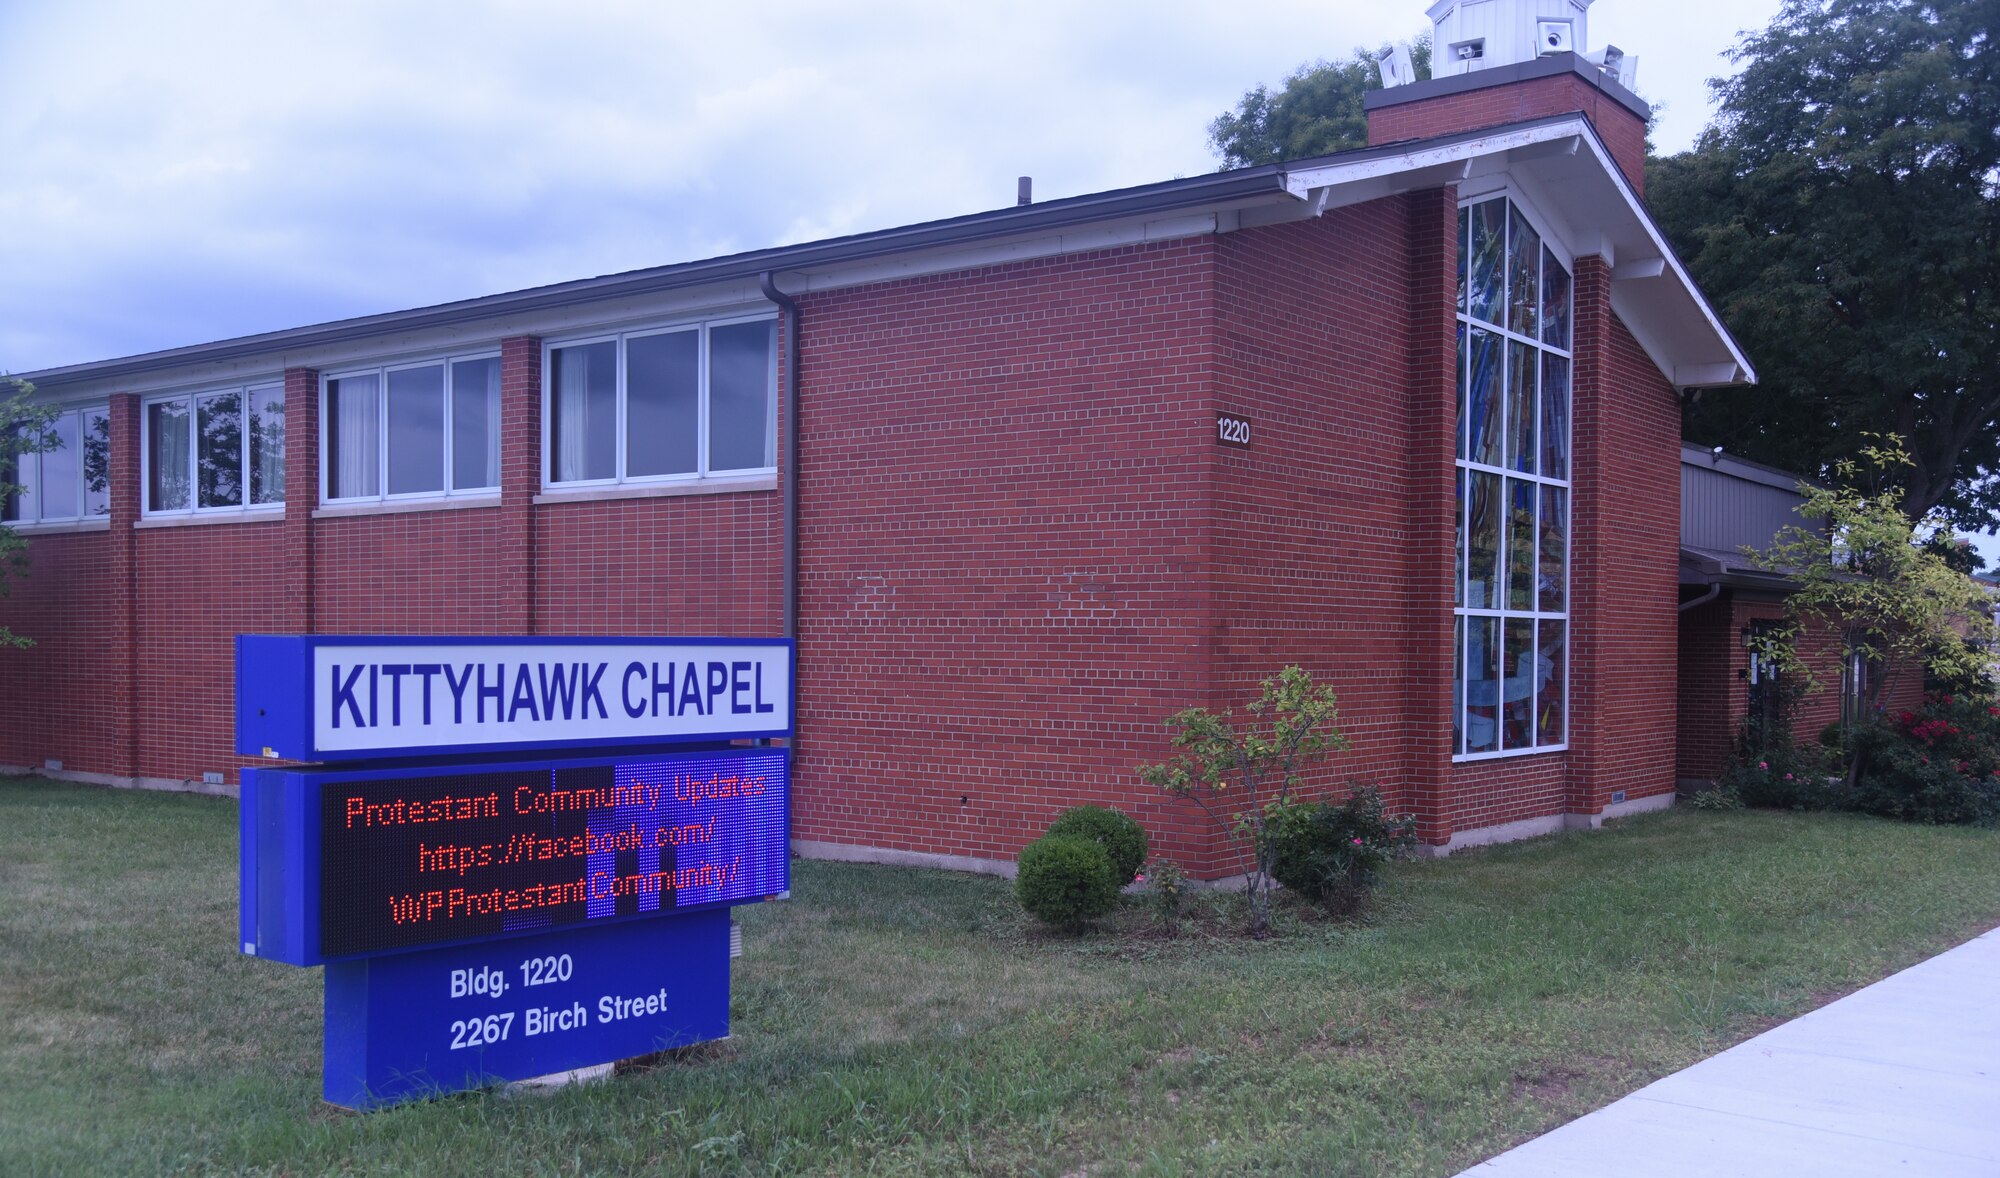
1571, 179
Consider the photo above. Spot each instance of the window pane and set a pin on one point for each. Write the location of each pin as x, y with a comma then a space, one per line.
219, 474
1520, 544
1521, 406
168, 437
1482, 430
352, 437
61, 461
11, 476
96, 462
583, 413
475, 423
1482, 684
742, 396
1555, 540
1460, 386
1482, 585
416, 430
1458, 523
1464, 226
1457, 686
662, 403
1551, 680
1488, 256
1517, 711
267, 445
1524, 288
1555, 417
1555, 301
23, 475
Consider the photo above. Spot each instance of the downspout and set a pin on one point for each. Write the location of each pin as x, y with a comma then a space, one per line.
790, 308
1714, 591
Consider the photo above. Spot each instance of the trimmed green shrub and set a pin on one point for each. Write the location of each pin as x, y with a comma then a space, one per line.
1333, 854
1065, 880
1122, 838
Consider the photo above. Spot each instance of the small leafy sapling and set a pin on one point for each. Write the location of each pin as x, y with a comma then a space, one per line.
1245, 770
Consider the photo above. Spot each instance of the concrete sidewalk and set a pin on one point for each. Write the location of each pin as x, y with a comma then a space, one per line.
1900, 1078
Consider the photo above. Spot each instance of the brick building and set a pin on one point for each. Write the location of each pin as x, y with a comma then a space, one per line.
1731, 506
993, 473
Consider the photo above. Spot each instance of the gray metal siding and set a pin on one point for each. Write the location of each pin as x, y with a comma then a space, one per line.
1724, 513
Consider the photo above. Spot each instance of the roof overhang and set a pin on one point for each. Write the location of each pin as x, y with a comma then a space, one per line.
1559, 164
1566, 172
1715, 459
1704, 566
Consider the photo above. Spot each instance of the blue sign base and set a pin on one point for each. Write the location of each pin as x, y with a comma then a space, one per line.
412, 1025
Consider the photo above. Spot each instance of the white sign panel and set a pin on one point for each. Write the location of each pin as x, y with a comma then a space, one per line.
398, 696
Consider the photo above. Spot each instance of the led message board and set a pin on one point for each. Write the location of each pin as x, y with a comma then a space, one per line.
422, 860
319, 697
361, 862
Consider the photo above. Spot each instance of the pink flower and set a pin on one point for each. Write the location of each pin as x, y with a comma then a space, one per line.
1764, 765
1788, 777
1139, 878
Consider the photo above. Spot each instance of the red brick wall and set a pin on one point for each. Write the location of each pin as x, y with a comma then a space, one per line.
1710, 698
197, 587
1003, 545
1021, 546
54, 701
1512, 789
1623, 132
697, 564
1714, 682
1624, 559
1322, 541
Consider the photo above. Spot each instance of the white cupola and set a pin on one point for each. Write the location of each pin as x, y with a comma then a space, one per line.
1470, 35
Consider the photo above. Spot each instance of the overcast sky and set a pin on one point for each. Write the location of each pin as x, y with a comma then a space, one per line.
185, 172
178, 173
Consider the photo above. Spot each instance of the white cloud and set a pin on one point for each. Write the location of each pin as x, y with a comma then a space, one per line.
186, 172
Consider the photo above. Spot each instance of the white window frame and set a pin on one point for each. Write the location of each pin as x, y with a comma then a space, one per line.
381, 374
1461, 612
702, 473
194, 398
28, 473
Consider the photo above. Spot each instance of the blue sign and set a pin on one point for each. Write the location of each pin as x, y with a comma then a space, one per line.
342, 863
419, 1024
488, 904
321, 697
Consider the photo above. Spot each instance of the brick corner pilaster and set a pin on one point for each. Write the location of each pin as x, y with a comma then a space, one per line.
520, 476
296, 603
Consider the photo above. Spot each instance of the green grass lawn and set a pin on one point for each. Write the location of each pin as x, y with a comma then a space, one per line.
894, 1021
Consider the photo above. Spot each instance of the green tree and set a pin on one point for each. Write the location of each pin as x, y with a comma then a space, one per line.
1254, 771
1317, 111
23, 430
1867, 571
1843, 212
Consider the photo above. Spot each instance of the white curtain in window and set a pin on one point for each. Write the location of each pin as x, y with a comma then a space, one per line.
493, 424
573, 424
358, 412
771, 403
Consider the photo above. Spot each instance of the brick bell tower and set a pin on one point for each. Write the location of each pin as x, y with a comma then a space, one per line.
1507, 61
